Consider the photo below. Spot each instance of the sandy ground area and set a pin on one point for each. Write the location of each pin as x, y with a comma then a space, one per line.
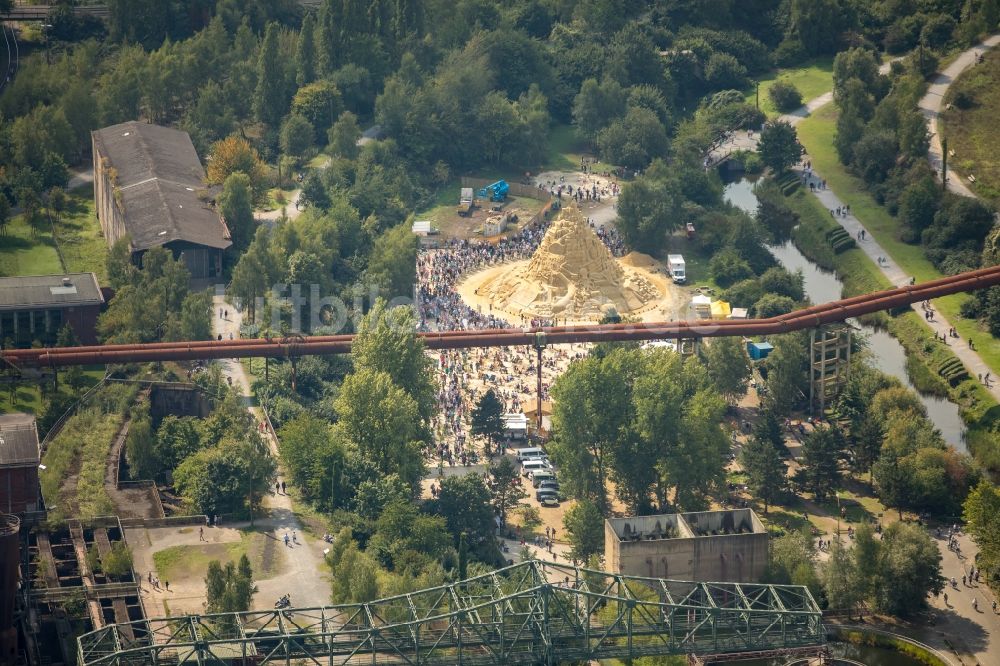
670, 306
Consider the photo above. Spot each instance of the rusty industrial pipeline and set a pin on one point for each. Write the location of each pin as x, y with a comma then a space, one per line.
810, 317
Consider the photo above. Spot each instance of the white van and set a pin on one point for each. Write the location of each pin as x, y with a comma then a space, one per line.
530, 453
529, 466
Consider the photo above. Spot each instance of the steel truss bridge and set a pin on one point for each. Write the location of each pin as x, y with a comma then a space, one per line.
807, 318
529, 613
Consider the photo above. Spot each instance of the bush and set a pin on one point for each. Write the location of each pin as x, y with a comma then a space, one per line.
785, 96
963, 100
728, 268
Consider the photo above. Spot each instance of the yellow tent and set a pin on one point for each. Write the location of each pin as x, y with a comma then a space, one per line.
720, 310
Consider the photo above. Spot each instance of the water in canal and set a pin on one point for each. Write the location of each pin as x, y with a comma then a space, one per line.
864, 654
823, 286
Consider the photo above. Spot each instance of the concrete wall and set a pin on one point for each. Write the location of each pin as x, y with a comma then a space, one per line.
179, 400
737, 558
108, 210
709, 546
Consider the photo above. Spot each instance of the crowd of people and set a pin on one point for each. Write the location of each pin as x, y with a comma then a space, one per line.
465, 375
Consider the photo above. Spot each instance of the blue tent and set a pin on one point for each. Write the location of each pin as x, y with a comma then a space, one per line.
759, 350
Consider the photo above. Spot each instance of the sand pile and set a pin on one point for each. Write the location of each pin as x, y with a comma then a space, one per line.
572, 274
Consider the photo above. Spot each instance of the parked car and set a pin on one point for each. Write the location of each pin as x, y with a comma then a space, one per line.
549, 501
550, 483
545, 492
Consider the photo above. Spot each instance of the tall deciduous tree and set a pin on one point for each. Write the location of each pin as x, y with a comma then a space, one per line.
728, 367
269, 100
779, 146
236, 206
342, 138
585, 528
382, 420
505, 490
982, 519
487, 418
387, 341
767, 474
235, 154
305, 51
821, 453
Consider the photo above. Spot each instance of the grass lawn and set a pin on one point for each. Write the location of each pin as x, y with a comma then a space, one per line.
971, 133
28, 398
817, 135
80, 237
79, 234
812, 80
22, 253
191, 562
566, 150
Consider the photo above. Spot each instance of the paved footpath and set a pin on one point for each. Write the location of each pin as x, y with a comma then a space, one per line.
305, 572
931, 103
898, 277
930, 106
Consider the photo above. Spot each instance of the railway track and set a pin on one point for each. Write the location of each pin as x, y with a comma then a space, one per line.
11, 57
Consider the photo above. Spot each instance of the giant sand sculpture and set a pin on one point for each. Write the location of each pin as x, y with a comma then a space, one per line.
571, 275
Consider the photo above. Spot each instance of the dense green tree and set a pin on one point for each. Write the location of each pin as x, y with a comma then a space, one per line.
793, 561
779, 146
785, 96
982, 522
342, 138
269, 100
840, 579
633, 140
487, 418
728, 367
226, 477
315, 456
236, 206
821, 453
386, 341
724, 72
297, 136
590, 421
767, 475
909, 570
584, 526
773, 305
464, 502
597, 105
392, 265
305, 52
229, 589
139, 446
647, 211
383, 421
787, 373
505, 489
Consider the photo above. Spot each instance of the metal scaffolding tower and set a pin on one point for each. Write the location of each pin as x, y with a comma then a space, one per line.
829, 364
529, 613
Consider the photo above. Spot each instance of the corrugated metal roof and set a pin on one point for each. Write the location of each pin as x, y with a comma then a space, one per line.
45, 291
18, 440
159, 175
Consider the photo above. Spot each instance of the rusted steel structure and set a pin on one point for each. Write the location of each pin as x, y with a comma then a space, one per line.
804, 319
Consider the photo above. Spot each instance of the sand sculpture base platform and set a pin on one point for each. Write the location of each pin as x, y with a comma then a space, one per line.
572, 276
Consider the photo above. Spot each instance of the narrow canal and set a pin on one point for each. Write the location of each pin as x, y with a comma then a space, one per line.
823, 286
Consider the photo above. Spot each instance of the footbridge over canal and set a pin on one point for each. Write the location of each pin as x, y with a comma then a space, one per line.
529, 613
